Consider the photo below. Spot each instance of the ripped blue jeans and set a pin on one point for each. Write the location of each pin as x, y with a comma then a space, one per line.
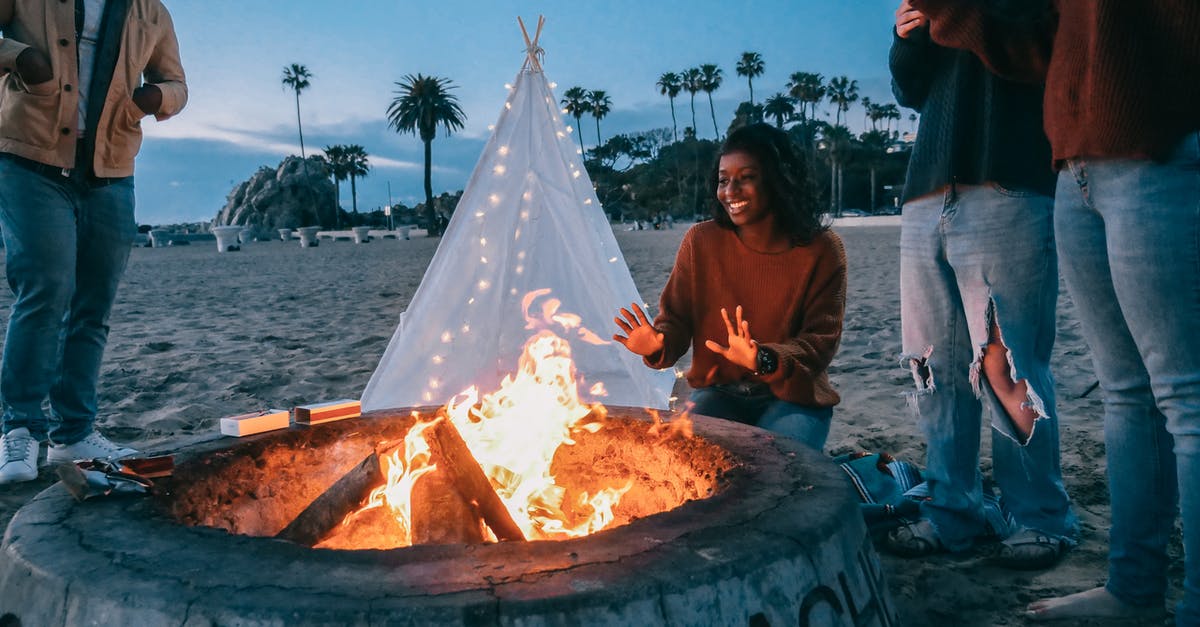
974, 257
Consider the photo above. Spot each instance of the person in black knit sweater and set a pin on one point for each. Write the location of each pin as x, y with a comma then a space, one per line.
978, 292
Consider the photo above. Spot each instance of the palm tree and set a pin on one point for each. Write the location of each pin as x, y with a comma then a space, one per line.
421, 104
807, 88
692, 80
357, 166
780, 107
296, 76
870, 115
837, 140
891, 113
710, 81
601, 104
842, 93
335, 157
669, 85
750, 65
575, 103
874, 143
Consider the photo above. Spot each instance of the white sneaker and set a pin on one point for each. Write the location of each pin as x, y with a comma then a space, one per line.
18, 456
94, 446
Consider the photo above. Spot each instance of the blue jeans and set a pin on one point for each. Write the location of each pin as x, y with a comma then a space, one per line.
972, 257
1129, 238
66, 244
755, 405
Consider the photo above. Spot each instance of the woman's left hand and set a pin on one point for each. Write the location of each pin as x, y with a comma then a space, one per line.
742, 349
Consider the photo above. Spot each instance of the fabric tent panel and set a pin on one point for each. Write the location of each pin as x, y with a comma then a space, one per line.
529, 219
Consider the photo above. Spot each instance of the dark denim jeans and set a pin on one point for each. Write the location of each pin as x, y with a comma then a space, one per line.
66, 244
972, 256
755, 405
1129, 240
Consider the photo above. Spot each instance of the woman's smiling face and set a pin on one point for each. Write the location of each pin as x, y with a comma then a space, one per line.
740, 189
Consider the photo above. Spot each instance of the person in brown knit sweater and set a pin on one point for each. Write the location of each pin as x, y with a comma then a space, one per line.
758, 294
1122, 111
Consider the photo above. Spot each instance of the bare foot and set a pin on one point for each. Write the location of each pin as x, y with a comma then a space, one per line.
1094, 603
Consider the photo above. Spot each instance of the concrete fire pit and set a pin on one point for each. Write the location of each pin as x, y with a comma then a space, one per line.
779, 541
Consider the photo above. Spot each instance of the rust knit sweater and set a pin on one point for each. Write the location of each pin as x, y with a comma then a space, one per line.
1121, 75
794, 302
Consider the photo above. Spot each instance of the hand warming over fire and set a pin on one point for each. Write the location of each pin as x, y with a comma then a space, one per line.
641, 338
742, 349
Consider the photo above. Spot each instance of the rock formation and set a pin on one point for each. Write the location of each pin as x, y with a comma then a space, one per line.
295, 194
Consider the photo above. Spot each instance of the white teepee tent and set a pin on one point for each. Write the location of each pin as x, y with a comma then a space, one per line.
528, 220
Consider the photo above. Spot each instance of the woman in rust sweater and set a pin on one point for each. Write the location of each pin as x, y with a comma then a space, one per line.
758, 294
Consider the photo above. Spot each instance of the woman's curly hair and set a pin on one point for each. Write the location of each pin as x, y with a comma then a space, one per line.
786, 178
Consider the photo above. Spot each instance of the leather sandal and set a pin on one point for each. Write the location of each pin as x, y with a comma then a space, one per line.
914, 539
1029, 549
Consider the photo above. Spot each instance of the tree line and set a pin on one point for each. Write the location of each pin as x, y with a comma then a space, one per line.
655, 172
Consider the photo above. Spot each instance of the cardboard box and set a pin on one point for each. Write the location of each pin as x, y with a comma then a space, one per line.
255, 422
316, 413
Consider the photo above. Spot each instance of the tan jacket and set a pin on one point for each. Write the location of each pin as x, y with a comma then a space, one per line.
40, 122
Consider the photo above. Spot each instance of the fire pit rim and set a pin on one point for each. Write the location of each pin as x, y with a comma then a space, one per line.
758, 516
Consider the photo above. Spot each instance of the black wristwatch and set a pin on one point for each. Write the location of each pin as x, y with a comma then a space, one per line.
767, 362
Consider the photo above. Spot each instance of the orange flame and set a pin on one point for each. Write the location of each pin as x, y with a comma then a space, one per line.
514, 433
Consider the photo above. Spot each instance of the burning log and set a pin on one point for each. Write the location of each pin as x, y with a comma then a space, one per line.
440, 515
453, 456
329, 509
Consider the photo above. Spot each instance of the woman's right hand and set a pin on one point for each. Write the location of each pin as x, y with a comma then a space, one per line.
908, 19
641, 338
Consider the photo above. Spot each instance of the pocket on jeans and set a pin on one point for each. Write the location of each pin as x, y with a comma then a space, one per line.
1014, 192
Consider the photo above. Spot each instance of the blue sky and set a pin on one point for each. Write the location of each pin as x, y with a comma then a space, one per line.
239, 117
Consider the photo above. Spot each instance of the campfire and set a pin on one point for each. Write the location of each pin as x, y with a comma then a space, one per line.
531, 460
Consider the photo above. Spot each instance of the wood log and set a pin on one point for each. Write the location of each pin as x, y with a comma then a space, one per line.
451, 453
329, 509
440, 515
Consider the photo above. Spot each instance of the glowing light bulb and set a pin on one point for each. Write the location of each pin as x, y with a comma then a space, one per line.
503, 150
446, 337
499, 169
438, 359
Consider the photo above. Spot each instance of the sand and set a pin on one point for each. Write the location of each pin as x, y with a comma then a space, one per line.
197, 335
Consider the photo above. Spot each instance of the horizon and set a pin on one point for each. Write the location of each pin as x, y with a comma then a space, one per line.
240, 120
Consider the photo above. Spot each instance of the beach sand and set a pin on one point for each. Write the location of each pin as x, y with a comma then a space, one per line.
197, 335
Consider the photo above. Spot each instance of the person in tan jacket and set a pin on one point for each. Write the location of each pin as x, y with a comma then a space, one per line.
76, 79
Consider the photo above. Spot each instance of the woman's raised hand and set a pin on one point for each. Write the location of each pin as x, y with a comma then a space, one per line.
742, 349
641, 338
